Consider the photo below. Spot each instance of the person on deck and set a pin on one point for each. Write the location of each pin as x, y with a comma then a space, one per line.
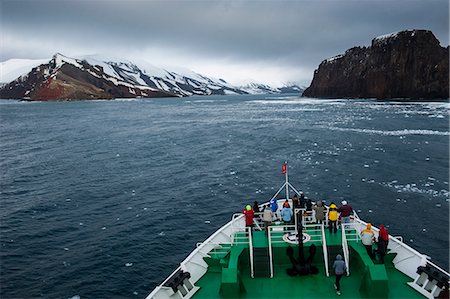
368, 238
274, 207
295, 202
332, 218
256, 207
309, 205
319, 210
249, 214
339, 270
302, 200
308, 214
267, 217
382, 244
286, 214
345, 211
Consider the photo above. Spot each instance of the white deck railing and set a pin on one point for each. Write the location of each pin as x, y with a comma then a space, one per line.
250, 249
345, 250
325, 250
269, 237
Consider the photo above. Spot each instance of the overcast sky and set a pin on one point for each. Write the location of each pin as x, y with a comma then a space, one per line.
266, 41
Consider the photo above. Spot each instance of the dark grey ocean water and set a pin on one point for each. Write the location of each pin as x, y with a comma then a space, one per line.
103, 199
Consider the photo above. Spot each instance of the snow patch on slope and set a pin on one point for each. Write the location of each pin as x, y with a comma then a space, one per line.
107, 69
387, 36
14, 68
61, 59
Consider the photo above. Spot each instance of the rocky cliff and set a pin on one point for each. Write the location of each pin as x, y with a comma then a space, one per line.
408, 64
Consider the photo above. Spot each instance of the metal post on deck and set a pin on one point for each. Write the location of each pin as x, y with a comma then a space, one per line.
269, 229
325, 250
287, 181
250, 249
278, 192
345, 248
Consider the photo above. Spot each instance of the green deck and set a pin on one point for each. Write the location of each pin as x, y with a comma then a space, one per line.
367, 279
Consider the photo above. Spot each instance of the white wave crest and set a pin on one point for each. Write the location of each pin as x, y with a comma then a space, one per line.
392, 133
296, 101
208, 101
413, 188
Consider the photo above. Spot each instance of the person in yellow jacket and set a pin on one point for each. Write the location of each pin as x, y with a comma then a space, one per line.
332, 217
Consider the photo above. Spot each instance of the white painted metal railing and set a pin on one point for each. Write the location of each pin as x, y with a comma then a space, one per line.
318, 235
352, 231
325, 250
269, 237
239, 232
250, 249
277, 228
345, 248
218, 249
314, 232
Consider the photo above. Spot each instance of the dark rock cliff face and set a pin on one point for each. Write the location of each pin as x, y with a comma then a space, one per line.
409, 64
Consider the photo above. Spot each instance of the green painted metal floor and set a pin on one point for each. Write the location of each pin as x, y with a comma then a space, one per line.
312, 286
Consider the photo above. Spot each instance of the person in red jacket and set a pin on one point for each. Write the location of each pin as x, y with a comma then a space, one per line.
345, 212
383, 241
249, 214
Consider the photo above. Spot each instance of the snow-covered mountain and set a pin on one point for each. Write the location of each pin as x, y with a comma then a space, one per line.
260, 88
97, 77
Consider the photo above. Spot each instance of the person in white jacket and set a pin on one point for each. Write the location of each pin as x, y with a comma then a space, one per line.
368, 238
267, 217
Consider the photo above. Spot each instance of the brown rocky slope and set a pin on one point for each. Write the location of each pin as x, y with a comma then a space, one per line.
409, 64
70, 79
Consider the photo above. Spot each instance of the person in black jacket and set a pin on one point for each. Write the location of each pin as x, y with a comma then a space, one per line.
302, 200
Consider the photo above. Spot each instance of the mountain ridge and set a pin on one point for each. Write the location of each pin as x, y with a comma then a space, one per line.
96, 77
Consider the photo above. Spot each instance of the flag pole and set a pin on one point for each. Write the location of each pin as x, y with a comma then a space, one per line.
287, 181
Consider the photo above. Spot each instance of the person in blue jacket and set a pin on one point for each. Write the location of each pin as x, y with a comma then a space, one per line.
274, 207
286, 214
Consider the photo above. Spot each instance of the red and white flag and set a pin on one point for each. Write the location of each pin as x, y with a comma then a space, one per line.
284, 168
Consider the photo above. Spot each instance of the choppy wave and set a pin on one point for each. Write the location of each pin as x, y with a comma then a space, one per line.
208, 101
392, 133
297, 101
19, 102
281, 97
413, 188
